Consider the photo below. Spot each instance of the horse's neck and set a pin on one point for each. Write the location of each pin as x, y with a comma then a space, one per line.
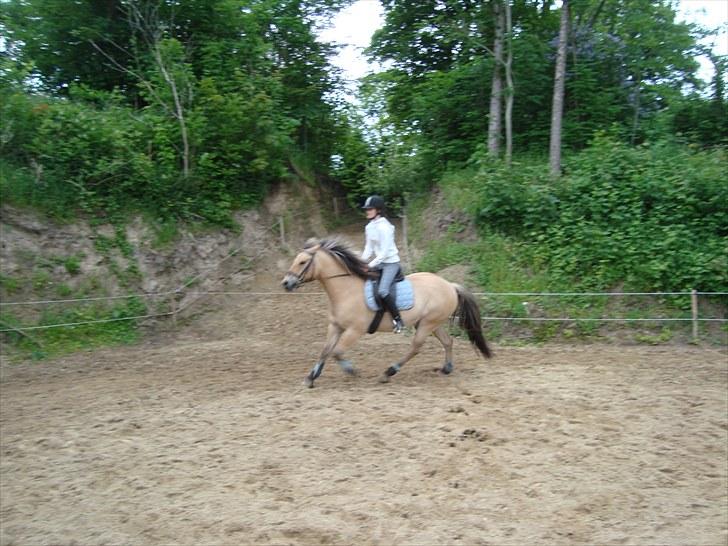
339, 284
342, 288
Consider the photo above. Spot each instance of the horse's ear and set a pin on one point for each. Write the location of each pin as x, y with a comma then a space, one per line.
310, 243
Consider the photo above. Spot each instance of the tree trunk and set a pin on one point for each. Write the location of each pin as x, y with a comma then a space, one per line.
496, 89
636, 103
144, 19
557, 108
179, 111
510, 91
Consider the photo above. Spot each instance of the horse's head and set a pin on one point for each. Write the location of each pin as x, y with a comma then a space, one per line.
302, 269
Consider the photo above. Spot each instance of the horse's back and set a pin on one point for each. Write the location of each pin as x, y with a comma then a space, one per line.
434, 293
432, 280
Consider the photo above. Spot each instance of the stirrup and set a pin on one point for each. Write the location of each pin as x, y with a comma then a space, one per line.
397, 326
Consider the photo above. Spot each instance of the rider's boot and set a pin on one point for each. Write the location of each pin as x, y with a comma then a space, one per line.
391, 307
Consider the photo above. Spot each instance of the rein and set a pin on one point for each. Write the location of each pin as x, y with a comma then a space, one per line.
335, 276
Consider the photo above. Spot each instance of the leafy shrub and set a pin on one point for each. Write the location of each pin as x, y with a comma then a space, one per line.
44, 343
397, 174
97, 155
653, 217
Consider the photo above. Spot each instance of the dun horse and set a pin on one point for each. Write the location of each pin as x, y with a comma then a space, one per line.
342, 275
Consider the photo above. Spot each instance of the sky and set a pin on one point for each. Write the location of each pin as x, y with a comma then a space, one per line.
355, 25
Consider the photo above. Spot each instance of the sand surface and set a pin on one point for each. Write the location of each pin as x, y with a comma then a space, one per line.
208, 437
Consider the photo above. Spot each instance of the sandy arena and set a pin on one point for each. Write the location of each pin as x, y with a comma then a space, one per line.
210, 438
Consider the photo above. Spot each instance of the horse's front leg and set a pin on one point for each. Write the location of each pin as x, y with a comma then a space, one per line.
331, 340
348, 338
338, 342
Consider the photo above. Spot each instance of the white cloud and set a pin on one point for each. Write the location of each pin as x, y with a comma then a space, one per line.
710, 14
353, 28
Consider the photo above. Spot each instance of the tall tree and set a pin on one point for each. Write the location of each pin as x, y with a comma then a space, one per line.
510, 89
175, 94
55, 36
495, 117
557, 104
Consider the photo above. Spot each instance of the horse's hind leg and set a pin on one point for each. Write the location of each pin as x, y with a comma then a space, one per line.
420, 337
446, 340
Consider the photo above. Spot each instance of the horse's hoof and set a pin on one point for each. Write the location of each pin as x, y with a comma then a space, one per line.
349, 368
308, 382
384, 378
446, 369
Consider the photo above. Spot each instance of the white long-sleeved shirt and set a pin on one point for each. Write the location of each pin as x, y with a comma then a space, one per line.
380, 242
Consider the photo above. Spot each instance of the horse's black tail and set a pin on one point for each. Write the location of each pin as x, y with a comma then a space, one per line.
469, 320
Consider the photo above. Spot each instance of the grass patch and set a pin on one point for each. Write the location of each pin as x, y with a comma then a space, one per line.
52, 342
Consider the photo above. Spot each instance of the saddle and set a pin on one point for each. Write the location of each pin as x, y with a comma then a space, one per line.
402, 291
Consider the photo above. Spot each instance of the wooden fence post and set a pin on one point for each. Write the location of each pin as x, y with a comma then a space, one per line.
694, 305
173, 306
405, 239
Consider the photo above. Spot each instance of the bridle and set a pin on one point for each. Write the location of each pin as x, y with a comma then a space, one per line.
300, 276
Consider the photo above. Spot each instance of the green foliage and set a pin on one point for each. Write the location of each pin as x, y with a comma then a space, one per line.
165, 232
627, 62
653, 218
243, 139
90, 159
397, 174
120, 328
72, 265
664, 336
188, 110
110, 160
352, 154
697, 120
9, 285
58, 39
443, 253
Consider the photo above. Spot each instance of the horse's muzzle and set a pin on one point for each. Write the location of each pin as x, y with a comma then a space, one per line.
290, 282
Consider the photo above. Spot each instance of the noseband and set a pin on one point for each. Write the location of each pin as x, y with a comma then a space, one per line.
302, 274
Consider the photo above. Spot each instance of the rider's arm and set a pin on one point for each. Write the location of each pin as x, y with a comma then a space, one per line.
387, 247
368, 248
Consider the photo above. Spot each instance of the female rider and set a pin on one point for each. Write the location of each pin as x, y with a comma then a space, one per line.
380, 243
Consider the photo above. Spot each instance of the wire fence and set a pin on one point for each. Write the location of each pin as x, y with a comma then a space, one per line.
279, 228
196, 295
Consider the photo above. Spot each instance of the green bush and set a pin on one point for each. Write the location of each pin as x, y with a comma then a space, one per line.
653, 217
44, 343
94, 154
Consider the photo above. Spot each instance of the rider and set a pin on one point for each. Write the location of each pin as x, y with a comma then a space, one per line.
380, 243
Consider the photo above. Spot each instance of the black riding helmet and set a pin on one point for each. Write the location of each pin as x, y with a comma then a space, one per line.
374, 202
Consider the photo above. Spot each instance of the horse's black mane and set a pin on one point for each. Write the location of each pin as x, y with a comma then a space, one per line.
341, 251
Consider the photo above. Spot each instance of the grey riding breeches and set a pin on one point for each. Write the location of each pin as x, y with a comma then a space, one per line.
389, 271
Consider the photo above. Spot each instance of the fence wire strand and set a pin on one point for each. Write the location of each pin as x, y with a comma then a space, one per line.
84, 322
197, 295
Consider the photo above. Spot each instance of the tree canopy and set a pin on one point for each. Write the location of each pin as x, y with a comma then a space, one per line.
191, 108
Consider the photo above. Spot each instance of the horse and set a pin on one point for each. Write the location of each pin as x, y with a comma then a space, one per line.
342, 275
